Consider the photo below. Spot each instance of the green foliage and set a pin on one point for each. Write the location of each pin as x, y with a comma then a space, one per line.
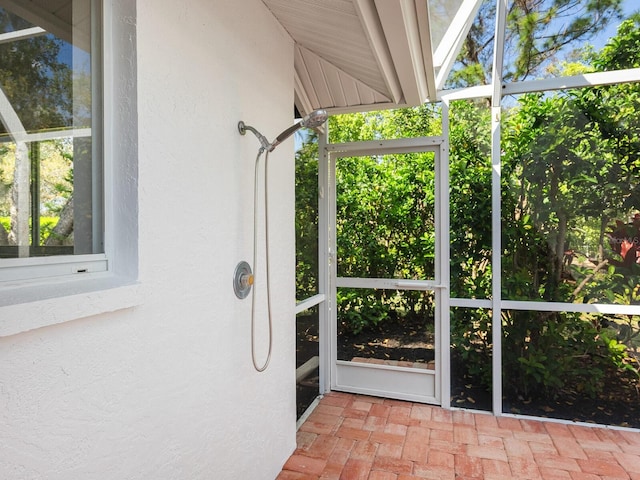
358, 311
424, 120
470, 200
470, 234
385, 215
47, 224
570, 187
546, 352
37, 83
471, 340
570, 171
623, 50
385, 229
307, 217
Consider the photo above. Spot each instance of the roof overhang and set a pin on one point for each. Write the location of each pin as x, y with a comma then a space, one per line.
358, 55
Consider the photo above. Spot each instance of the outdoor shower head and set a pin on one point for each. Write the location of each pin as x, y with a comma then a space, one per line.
313, 120
243, 277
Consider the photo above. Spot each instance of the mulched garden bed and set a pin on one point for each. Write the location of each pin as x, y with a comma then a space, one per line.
619, 404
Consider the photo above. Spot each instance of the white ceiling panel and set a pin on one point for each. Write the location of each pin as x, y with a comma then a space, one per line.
359, 54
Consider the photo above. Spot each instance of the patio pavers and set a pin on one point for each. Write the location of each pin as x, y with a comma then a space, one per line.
355, 437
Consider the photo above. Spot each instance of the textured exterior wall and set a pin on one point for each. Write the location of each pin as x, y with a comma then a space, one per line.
166, 390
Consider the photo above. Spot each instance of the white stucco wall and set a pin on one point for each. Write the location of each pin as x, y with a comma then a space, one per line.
166, 389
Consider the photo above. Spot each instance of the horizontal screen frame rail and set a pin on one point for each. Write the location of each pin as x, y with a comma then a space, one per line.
389, 284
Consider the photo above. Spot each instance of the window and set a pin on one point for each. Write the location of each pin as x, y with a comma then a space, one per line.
51, 180
84, 123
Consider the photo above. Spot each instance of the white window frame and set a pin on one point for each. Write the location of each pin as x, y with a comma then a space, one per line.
36, 292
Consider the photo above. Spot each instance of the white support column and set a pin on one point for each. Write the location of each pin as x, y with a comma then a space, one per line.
447, 51
444, 369
324, 266
21, 206
496, 262
329, 183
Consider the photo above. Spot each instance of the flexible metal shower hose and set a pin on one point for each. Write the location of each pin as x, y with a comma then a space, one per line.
255, 260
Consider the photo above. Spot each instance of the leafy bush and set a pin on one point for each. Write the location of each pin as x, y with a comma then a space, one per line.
546, 352
47, 224
358, 311
570, 163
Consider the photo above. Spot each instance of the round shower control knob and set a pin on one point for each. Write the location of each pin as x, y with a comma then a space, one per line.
246, 280
242, 280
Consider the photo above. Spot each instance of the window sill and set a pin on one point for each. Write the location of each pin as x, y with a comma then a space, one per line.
54, 302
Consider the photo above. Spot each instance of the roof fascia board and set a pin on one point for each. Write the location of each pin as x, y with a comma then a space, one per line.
400, 25
424, 30
447, 52
373, 30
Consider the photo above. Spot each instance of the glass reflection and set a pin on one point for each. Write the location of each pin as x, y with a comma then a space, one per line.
50, 175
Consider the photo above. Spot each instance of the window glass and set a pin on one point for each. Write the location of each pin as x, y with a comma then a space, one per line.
50, 169
571, 196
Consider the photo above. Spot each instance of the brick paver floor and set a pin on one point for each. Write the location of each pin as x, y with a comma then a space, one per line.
352, 437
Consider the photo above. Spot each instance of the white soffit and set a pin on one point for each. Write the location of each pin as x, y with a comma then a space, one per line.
357, 55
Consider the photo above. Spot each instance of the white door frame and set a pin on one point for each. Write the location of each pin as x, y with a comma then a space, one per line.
427, 386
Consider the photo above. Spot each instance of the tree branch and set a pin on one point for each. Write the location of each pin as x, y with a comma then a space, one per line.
588, 278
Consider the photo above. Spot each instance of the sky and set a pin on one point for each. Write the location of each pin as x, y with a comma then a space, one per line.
628, 7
